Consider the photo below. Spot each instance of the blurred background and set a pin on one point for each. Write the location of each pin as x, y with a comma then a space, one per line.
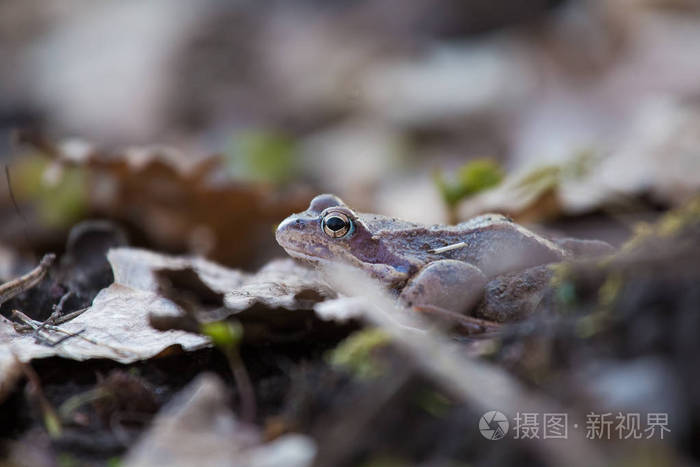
581, 116
197, 126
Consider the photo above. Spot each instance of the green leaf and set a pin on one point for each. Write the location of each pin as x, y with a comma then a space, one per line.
473, 177
223, 334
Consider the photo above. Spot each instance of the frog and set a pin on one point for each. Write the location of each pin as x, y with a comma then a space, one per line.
445, 267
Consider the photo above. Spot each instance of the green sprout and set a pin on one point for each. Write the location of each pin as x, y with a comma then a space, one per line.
227, 336
473, 177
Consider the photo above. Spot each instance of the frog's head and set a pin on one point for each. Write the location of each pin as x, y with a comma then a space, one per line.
330, 231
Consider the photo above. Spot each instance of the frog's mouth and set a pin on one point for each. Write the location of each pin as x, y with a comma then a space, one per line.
390, 280
303, 256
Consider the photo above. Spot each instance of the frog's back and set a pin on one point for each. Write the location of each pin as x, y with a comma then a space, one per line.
491, 242
497, 245
377, 223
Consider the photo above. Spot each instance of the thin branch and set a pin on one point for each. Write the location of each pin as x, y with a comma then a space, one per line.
11, 192
15, 287
30, 324
55, 321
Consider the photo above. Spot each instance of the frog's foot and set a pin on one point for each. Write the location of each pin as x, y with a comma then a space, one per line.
514, 296
448, 284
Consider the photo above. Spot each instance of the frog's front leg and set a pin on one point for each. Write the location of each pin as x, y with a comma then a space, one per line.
448, 284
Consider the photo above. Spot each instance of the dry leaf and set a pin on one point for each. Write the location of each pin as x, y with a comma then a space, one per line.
275, 304
281, 283
117, 324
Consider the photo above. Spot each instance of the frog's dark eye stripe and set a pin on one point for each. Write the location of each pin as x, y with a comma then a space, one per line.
336, 224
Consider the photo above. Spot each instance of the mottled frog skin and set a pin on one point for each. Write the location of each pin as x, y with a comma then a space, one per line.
411, 258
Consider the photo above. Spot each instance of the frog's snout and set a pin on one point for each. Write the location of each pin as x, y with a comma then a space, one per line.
289, 229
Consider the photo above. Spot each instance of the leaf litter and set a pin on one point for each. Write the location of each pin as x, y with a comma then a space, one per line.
117, 325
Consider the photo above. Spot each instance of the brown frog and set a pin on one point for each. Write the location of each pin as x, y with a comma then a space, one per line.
439, 266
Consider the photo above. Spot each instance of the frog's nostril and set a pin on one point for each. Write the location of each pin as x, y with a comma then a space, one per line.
290, 224
284, 225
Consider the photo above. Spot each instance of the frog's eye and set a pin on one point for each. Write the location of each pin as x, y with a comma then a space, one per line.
336, 224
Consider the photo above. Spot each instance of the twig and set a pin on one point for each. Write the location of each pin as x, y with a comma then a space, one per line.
16, 206
38, 327
57, 310
15, 287
60, 320
73, 403
70, 316
30, 324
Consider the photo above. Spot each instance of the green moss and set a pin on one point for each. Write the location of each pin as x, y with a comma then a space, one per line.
355, 353
669, 225
642, 232
609, 291
563, 285
548, 177
599, 319
588, 326
541, 178
561, 272
675, 221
